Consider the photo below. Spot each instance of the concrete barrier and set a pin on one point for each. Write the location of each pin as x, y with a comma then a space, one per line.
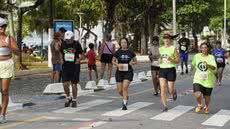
57, 88
91, 85
104, 84
149, 73
113, 81
142, 76
11, 105
144, 58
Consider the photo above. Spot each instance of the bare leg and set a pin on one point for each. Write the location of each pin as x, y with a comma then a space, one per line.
56, 77
155, 81
207, 100
163, 84
90, 74
198, 97
66, 88
125, 89
109, 71
119, 88
102, 70
96, 74
220, 75
171, 87
5, 95
75, 89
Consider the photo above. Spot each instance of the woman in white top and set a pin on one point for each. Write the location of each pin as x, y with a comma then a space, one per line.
7, 46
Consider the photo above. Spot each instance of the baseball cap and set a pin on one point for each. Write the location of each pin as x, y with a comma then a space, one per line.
68, 35
3, 21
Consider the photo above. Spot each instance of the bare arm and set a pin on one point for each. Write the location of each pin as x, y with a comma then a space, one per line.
133, 61
115, 61
14, 46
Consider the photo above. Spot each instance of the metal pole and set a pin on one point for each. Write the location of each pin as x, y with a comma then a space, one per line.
174, 19
224, 37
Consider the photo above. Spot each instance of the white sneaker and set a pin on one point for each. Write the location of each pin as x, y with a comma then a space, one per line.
2, 119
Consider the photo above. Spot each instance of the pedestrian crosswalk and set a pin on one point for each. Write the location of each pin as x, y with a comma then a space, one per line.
219, 119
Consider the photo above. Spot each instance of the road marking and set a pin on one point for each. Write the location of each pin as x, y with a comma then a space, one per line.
23, 122
219, 119
83, 106
173, 113
131, 108
93, 125
69, 119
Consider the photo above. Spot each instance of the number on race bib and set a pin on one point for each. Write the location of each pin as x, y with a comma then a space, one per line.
183, 48
165, 61
220, 60
69, 57
203, 75
123, 67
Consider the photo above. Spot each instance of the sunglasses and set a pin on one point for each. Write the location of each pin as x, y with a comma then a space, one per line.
3, 26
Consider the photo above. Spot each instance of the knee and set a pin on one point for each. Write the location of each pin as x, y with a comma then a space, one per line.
4, 92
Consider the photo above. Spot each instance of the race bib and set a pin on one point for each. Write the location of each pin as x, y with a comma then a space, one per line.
220, 60
203, 75
183, 48
123, 67
69, 57
165, 61
155, 63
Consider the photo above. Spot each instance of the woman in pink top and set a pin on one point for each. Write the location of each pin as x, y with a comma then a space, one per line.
107, 50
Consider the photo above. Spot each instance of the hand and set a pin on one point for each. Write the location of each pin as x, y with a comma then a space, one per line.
169, 58
77, 61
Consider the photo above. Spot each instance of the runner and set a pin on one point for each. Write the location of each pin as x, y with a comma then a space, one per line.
91, 55
71, 51
124, 59
184, 44
154, 56
168, 60
107, 50
204, 77
7, 46
56, 57
220, 55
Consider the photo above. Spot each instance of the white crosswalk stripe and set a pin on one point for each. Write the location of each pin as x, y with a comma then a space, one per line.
219, 119
173, 113
131, 108
83, 106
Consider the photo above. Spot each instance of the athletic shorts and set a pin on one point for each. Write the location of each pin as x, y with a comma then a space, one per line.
121, 76
184, 57
205, 91
155, 68
92, 66
57, 67
168, 74
107, 58
71, 73
220, 65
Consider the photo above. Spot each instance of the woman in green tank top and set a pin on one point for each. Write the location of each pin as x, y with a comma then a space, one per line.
168, 60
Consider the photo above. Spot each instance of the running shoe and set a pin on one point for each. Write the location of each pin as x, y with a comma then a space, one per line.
74, 103
156, 94
206, 110
68, 101
2, 119
165, 109
175, 95
124, 107
198, 109
186, 71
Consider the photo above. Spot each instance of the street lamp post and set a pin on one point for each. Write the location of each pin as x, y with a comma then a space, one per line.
174, 19
224, 35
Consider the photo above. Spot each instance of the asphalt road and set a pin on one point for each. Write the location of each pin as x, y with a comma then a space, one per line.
102, 110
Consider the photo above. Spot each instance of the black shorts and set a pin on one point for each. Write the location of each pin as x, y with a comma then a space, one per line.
168, 74
71, 73
92, 66
121, 76
205, 91
107, 58
155, 68
220, 65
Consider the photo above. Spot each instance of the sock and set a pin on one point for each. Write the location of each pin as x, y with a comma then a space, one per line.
125, 102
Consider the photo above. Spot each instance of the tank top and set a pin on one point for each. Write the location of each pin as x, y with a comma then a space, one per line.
5, 50
165, 52
108, 49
